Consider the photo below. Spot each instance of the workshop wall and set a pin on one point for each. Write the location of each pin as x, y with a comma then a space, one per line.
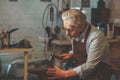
23, 14
27, 16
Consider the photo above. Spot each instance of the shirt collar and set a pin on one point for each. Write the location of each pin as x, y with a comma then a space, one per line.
82, 36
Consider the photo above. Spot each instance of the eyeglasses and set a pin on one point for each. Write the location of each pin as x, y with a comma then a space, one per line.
71, 29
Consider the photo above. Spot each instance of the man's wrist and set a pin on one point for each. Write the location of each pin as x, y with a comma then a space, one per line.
70, 73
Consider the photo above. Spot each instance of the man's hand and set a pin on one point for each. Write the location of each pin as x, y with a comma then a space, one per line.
65, 57
57, 73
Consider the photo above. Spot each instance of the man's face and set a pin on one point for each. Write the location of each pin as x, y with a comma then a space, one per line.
72, 31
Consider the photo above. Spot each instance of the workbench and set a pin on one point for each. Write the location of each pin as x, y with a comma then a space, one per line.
12, 51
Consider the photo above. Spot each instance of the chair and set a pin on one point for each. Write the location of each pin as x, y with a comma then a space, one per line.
115, 58
0, 67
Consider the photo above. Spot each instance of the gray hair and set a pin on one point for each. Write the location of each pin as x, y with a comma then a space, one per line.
73, 17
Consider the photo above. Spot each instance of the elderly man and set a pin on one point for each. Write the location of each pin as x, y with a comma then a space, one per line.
90, 56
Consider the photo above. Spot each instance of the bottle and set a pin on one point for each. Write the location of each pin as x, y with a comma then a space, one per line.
1, 37
5, 40
1, 42
101, 4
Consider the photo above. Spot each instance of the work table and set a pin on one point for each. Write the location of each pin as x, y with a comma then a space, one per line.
25, 51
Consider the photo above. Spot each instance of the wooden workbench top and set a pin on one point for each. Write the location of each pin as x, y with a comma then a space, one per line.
10, 50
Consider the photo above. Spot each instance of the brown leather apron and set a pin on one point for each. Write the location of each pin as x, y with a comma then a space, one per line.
79, 49
102, 71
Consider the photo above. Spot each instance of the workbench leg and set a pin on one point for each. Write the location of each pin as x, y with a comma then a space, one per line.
25, 65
